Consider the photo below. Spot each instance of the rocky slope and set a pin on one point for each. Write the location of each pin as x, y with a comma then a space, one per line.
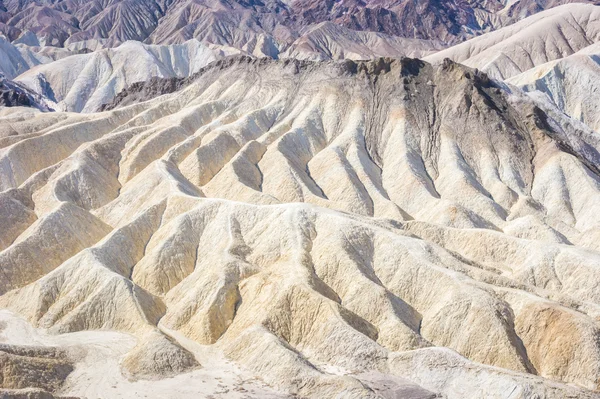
16, 58
83, 83
437, 232
572, 83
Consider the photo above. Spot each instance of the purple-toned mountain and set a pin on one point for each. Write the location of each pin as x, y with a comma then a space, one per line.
268, 26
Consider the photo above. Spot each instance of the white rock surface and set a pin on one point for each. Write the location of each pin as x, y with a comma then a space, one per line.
543, 37
572, 83
16, 58
82, 83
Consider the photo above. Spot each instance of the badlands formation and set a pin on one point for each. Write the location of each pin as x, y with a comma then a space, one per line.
436, 234
233, 226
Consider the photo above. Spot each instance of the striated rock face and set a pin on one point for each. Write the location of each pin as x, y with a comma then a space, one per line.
154, 87
447, 21
143, 91
326, 226
16, 57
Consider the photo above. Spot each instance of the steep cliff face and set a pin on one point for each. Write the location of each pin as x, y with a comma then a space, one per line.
323, 225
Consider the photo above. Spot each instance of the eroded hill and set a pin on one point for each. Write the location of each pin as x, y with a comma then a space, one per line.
319, 224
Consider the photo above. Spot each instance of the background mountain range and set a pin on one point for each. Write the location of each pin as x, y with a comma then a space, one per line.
270, 25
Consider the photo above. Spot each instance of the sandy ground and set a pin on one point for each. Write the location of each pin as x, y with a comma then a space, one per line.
97, 372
